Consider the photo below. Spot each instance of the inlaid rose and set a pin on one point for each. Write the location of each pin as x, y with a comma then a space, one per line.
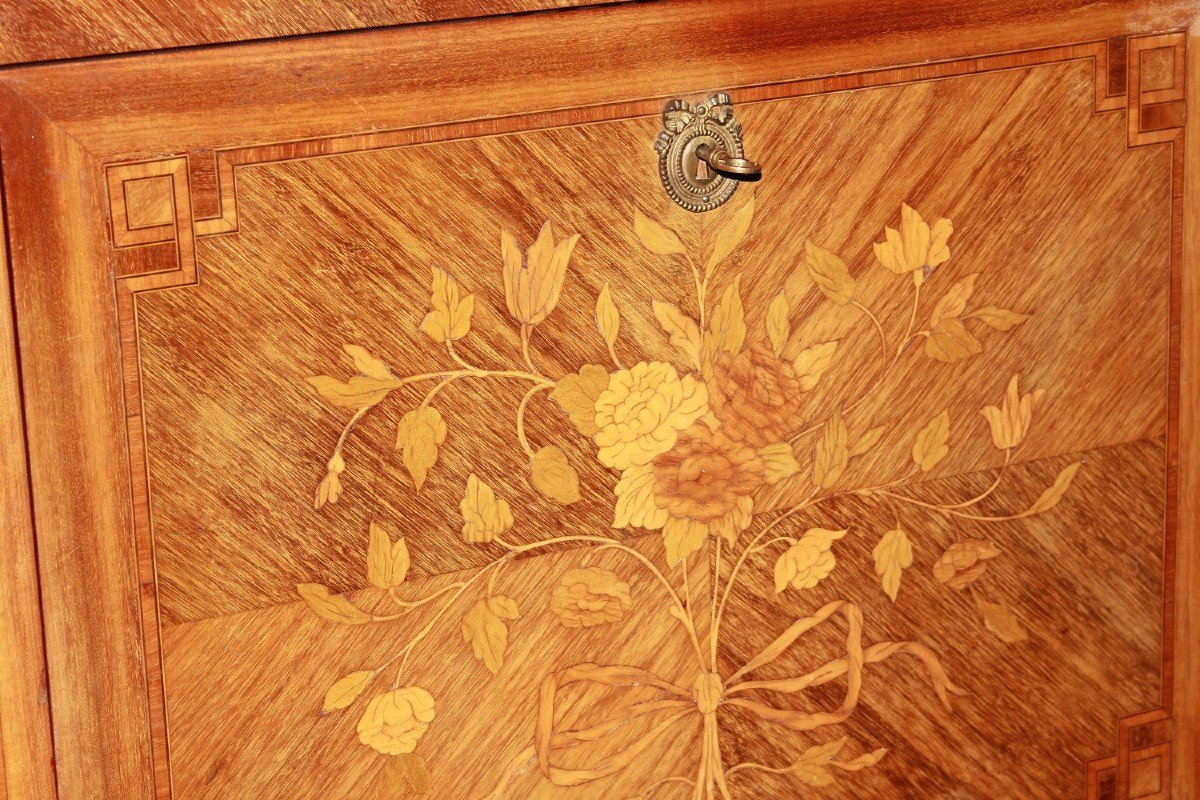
590, 596
393, 722
643, 409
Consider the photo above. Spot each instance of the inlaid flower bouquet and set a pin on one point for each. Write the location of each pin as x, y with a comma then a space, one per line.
704, 445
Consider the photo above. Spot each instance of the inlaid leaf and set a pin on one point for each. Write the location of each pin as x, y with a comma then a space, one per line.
832, 453
812, 362
532, 289
815, 765
932, 445
779, 462
1055, 492
807, 562
368, 364
576, 394
635, 500
656, 238
893, 555
829, 273
999, 318
484, 628
950, 341
1001, 621
681, 539
682, 331
728, 327
484, 514
608, 318
778, 324
346, 690
730, 234
387, 561
360, 391
332, 607
867, 441
418, 437
450, 316
954, 301
554, 476
514, 266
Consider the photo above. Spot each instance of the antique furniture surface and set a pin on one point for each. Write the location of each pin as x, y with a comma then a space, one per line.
385, 416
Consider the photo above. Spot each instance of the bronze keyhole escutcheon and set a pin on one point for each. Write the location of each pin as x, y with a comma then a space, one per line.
700, 158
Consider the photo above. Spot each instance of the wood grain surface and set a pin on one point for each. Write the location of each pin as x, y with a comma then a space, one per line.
234, 685
1043, 111
1085, 664
215, 247
1187, 673
26, 751
47, 30
226, 505
88, 565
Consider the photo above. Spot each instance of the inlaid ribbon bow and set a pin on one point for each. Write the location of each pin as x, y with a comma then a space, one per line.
708, 693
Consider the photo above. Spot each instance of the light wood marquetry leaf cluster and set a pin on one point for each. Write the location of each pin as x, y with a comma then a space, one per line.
700, 445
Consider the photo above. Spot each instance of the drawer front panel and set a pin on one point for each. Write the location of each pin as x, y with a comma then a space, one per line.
457, 458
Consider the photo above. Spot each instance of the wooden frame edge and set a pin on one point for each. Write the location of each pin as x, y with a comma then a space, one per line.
26, 743
78, 487
126, 28
1186, 763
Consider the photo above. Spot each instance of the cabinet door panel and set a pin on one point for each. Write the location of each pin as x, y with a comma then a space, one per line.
454, 457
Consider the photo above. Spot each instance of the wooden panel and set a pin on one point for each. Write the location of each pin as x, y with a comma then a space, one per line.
380, 233
225, 505
235, 688
44, 30
179, 469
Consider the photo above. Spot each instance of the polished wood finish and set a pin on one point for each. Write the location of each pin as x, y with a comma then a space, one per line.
213, 247
25, 744
198, 554
94, 590
49, 30
1075, 717
1187, 573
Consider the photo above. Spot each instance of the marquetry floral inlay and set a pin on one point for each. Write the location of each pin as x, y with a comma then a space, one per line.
704, 448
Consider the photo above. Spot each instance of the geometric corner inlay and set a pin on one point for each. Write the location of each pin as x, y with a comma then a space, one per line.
1145, 76
1111, 74
1155, 88
148, 202
154, 222
1141, 767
